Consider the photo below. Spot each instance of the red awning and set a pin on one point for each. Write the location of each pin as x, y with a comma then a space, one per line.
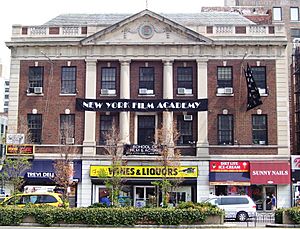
270, 172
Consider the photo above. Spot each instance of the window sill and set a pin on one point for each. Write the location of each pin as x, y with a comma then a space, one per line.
224, 95
62, 94
34, 94
185, 95
106, 95
264, 95
146, 95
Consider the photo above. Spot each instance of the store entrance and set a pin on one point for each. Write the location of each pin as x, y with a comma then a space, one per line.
144, 196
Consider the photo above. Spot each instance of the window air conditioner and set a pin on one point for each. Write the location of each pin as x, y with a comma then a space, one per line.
262, 91
143, 91
104, 91
38, 90
150, 92
228, 90
188, 117
70, 141
262, 142
220, 90
108, 92
181, 91
188, 91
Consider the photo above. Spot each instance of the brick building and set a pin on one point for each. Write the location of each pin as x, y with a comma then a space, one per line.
146, 70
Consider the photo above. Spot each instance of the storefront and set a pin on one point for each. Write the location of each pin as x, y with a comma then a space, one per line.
40, 178
229, 177
295, 166
267, 178
139, 187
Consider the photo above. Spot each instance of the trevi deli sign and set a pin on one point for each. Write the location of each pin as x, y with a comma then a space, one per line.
141, 105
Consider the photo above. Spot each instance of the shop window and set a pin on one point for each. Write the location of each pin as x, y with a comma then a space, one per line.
34, 123
224, 80
35, 79
68, 80
225, 129
294, 13
146, 80
277, 14
106, 124
108, 81
67, 128
184, 80
259, 76
259, 129
185, 128
146, 129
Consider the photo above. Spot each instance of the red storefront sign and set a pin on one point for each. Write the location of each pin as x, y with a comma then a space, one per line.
273, 172
229, 166
15, 150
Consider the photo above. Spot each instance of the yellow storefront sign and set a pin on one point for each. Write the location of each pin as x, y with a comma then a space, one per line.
145, 171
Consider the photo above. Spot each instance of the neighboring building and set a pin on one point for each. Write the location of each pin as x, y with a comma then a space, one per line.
145, 70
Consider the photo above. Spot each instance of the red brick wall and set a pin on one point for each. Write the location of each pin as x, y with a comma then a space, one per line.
56, 103
236, 105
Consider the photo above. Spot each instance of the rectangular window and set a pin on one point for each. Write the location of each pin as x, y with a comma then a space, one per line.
68, 80
277, 14
34, 123
106, 124
185, 129
146, 129
108, 78
259, 76
67, 128
294, 13
259, 129
35, 78
224, 77
295, 33
225, 129
185, 79
146, 80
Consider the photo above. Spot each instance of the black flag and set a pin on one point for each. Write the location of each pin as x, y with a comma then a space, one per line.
254, 99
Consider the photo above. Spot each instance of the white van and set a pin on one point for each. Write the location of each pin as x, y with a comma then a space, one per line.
236, 207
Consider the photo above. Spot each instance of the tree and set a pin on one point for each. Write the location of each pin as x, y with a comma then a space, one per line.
114, 149
169, 157
13, 171
63, 167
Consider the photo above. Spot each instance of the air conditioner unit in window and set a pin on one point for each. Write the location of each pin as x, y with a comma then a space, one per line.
228, 90
143, 91
38, 90
70, 141
220, 90
150, 92
108, 92
188, 91
188, 117
181, 91
262, 90
262, 142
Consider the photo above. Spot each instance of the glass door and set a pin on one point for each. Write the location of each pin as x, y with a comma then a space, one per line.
269, 190
144, 196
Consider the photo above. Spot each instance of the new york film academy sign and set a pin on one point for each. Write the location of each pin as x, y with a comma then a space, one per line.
141, 105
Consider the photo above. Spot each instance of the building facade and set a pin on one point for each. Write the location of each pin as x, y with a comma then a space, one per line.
144, 71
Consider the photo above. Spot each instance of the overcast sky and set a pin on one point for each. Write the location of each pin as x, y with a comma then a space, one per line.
37, 12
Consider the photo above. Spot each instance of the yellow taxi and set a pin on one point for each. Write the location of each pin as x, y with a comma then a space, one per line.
37, 199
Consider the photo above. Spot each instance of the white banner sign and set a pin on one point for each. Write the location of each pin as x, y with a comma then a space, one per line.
15, 138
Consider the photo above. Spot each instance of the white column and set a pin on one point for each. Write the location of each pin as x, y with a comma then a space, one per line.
89, 141
124, 94
168, 94
202, 142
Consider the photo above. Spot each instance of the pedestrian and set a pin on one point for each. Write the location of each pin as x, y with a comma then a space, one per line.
104, 198
273, 202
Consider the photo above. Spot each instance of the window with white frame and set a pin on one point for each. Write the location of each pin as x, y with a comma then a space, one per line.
225, 129
259, 129
294, 14
277, 14
68, 80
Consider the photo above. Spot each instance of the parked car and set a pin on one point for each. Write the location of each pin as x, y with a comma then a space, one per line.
236, 207
37, 199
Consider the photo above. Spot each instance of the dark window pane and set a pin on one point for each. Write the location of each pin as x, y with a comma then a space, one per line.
225, 129
108, 78
146, 129
259, 75
67, 127
146, 78
224, 77
106, 124
68, 80
259, 129
35, 78
185, 77
34, 122
185, 129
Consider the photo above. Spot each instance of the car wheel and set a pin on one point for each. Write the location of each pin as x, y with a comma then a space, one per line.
242, 216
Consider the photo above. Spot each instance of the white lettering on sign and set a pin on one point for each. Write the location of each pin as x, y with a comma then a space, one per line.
40, 174
270, 172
